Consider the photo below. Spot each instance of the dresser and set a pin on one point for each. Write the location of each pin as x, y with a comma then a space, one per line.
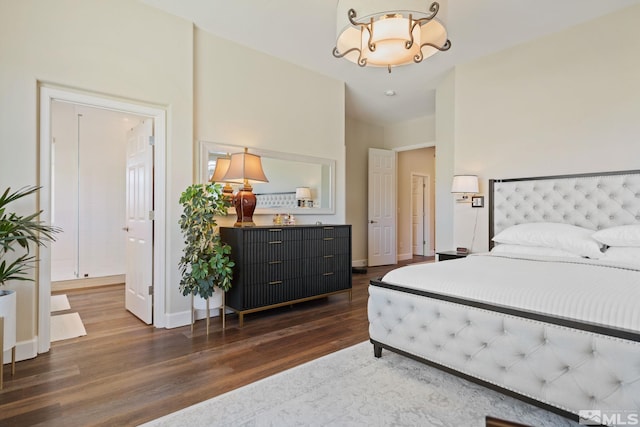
283, 265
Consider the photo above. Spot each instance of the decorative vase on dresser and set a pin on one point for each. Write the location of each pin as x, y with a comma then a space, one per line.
276, 266
7, 329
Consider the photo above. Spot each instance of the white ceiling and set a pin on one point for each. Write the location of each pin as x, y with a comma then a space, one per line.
303, 32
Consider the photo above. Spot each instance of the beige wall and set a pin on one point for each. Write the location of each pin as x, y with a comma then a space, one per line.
359, 137
410, 133
445, 144
127, 50
567, 103
121, 48
422, 162
244, 97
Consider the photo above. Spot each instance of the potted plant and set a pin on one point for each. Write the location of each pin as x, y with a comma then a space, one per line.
17, 235
205, 263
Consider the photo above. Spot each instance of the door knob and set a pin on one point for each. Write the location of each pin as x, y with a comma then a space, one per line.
372, 221
125, 228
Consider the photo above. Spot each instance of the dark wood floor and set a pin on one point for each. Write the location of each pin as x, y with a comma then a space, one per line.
125, 373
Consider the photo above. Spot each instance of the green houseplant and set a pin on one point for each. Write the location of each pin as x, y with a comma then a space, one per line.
19, 232
205, 263
17, 235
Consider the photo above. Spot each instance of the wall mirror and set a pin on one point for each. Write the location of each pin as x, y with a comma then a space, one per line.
286, 173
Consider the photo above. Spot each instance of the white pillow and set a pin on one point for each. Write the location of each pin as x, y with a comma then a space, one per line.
622, 254
624, 235
532, 250
566, 237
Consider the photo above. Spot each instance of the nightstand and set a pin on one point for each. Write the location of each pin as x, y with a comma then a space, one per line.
447, 255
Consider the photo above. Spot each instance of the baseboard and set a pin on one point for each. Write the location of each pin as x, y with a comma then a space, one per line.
183, 318
403, 257
359, 263
176, 320
89, 282
24, 350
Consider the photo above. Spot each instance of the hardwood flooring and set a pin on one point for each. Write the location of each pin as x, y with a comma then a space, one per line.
124, 372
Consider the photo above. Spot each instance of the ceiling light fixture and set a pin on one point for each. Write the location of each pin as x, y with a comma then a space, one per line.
389, 38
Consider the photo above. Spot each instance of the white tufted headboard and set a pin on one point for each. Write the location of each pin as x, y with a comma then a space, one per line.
594, 201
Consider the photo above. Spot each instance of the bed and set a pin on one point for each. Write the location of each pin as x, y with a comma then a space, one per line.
543, 316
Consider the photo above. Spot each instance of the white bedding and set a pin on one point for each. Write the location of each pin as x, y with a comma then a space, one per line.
584, 290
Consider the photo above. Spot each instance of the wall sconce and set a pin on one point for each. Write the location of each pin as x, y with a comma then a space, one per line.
247, 167
302, 195
465, 185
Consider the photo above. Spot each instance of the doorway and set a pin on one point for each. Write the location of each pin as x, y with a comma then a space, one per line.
49, 96
416, 218
88, 158
420, 214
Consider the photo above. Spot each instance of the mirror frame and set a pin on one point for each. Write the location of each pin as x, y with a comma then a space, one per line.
208, 147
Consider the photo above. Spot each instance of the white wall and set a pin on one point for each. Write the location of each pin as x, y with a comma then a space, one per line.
96, 143
566, 103
127, 50
121, 48
415, 132
445, 144
246, 98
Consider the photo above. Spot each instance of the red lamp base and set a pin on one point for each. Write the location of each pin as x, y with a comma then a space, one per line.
245, 203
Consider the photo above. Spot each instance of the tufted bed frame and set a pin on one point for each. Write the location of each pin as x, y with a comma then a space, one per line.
605, 360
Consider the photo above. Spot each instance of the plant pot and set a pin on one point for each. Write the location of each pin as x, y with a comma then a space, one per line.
8, 312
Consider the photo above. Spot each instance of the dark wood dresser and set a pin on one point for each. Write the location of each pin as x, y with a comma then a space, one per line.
282, 265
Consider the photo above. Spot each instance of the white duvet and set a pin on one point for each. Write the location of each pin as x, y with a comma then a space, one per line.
580, 289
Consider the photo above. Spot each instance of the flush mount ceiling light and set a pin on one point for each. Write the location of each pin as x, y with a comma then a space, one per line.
388, 38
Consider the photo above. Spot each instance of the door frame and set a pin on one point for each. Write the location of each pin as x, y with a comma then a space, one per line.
48, 94
426, 218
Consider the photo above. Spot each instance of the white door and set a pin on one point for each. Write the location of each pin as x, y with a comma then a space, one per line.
139, 223
417, 214
382, 207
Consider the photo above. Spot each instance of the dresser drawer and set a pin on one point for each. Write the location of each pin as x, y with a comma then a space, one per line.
272, 292
328, 246
265, 235
325, 264
319, 233
273, 250
271, 271
328, 282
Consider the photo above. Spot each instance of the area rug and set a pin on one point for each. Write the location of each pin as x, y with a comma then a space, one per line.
59, 303
66, 326
353, 388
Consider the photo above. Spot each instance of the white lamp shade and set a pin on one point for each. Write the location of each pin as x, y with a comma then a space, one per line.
222, 166
303, 193
465, 184
221, 169
390, 31
245, 166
